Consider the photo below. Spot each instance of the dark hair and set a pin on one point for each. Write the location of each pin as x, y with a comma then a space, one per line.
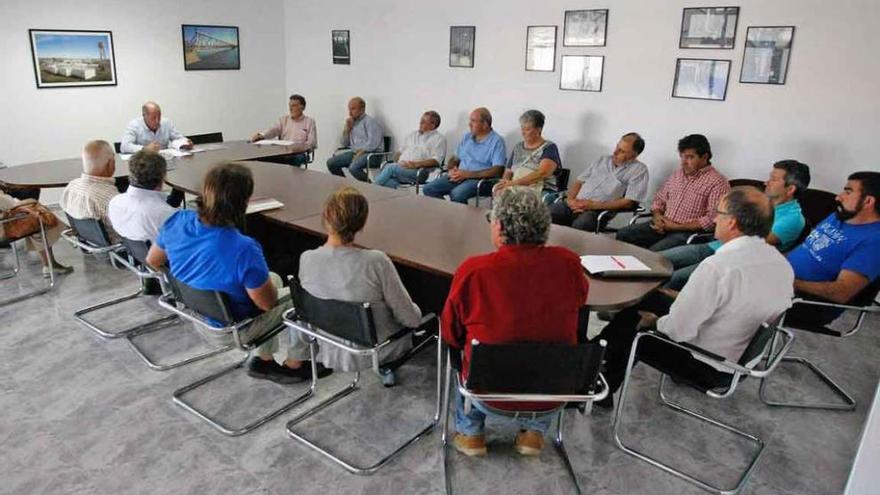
870, 186
751, 209
298, 98
797, 174
435, 118
225, 194
534, 117
146, 169
638, 142
345, 212
696, 142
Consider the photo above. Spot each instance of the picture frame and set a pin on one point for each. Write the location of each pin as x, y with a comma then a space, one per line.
766, 55
461, 46
69, 58
585, 27
340, 42
207, 47
701, 79
541, 48
581, 73
709, 27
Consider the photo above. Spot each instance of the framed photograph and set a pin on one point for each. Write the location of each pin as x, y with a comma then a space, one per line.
585, 27
541, 48
71, 58
340, 38
709, 27
461, 46
703, 79
581, 72
765, 59
210, 47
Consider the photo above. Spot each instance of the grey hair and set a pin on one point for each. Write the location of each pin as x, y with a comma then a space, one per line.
532, 117
523, 216
96, 155
146, 106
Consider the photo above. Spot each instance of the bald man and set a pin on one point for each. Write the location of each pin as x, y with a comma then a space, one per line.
745, 283
362, 135
151, 132
89, 195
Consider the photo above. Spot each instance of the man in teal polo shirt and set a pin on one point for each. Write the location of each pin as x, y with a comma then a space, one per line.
481, 154
786, 184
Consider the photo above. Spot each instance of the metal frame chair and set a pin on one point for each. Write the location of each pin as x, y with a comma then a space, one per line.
17, 268
532, 372
199, 307
865, 304
386, 150
422, 174
760, 350
350, 327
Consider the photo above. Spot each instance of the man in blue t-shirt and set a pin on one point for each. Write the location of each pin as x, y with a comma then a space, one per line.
785, 187
841, 257
481, 154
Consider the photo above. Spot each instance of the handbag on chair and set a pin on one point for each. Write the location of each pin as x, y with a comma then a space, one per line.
30, 223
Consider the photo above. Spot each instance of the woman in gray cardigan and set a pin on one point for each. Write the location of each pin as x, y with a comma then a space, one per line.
339, 270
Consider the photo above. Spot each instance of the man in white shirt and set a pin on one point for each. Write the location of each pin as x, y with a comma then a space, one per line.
423, 148
89, 195
139, 213
152, 132
745, 283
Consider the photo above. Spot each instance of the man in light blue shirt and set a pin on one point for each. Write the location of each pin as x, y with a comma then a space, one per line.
481, 154
362, 135
787, 182
152, 132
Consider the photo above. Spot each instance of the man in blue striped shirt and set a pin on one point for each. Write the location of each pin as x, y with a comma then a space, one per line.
362, 134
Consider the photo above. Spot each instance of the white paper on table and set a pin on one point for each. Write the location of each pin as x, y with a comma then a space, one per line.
124, 156
603, 263
208, 147
276, 142
262, 204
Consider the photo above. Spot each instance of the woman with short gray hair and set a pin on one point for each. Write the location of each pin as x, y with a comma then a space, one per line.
534, 160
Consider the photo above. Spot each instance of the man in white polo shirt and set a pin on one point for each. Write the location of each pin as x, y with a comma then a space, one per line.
139, 213
423, 148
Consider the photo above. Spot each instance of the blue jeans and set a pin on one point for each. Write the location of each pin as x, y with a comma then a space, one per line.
685, 260
474, 422
357, 166
460, 192
393, 175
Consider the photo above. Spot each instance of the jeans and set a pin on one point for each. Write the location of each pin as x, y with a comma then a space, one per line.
460, 192
474, 422
356, 166
685, 260
393, 175
642, 235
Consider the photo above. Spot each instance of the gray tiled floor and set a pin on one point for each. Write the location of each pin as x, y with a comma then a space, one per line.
82, 415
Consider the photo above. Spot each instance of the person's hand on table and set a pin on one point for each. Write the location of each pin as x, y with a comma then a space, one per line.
153, 146
188, 145
256, 137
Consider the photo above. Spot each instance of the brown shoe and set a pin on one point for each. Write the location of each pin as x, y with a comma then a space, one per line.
529, 442
470, 445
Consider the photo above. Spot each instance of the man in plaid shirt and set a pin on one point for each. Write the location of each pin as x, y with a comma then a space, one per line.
686, 203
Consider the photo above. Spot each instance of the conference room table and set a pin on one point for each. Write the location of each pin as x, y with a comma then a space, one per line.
426, 238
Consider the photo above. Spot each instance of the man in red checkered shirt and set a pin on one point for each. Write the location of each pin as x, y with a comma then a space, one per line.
686, 203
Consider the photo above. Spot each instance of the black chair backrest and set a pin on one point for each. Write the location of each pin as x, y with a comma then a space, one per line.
535, 368
386, 143
867, 296
137, 249
90, 230
747, 182
210, 303
211, 137
562, 177
117, 146
817, 204
347, 320
757, 345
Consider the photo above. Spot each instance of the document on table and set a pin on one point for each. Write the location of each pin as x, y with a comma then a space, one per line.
208, 147
263, 204
124, 156
619, 266
276, 142
172, 153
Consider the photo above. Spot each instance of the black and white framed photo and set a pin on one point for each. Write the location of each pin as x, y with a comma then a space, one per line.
703, 79
461, 46
65, 58
581, 72
585, 27
541, 48
210, 47
340, 39
765, 59
709, 27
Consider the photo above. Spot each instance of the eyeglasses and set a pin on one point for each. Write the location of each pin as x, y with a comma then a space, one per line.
721, 212
489, 216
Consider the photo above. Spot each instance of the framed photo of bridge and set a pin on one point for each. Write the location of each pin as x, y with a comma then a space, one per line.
66, 58
210, 47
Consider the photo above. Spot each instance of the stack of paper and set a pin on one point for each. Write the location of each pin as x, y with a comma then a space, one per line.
276, 142
616, 266
262, 204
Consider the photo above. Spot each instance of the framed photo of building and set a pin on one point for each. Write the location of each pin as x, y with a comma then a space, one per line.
709, 27
585, 27
340, 40
66, 58
541, 48
210, 47
765, 59
703, 79
581, 72
461, 46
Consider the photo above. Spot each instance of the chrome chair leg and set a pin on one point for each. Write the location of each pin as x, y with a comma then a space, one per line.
17, 267
36, 292
849, 403
236, 431
444, 436
154, 365
560, 448
79, 315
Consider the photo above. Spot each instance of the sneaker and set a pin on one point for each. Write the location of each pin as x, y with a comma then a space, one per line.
389, 377
58, 268
470, 445
529, 442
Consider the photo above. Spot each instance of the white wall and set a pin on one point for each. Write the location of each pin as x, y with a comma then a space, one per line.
44, 124
826, 114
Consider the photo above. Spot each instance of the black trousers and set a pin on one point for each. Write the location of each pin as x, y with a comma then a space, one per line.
620, 334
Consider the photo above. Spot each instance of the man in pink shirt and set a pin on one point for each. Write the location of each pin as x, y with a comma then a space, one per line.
295, 127
686, 203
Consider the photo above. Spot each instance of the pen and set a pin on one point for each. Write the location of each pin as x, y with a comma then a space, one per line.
621, 265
